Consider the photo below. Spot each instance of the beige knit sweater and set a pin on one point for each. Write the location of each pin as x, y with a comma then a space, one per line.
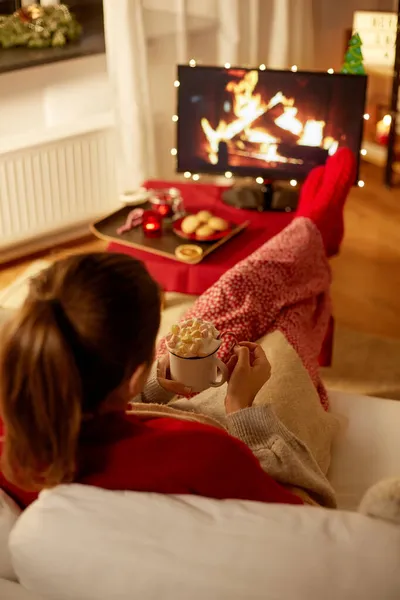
286, 428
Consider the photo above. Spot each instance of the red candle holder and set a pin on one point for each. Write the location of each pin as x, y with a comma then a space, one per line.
166, 202
152, 223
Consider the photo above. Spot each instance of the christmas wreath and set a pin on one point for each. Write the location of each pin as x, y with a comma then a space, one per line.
37, 26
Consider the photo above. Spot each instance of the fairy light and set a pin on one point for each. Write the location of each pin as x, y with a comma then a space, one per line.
192, 62
363, 152
361, 183
187, 174
228, 174
330, 71
174, 151
262, 67
366, 117
227, 65
387, 120
175, 118
293, 68
195, 177
259, 180
293, 182
177, 83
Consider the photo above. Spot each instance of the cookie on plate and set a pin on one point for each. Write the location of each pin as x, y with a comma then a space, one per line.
204, 231
204, 216
218, 224
190, 224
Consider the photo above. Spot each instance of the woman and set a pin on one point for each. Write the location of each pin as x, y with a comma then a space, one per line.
83, 343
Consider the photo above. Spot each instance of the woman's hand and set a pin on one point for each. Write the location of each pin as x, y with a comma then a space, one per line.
165, 381
249, 371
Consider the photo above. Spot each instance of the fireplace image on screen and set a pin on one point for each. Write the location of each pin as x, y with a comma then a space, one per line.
277, 124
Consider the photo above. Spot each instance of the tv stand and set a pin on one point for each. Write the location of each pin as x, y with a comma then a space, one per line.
276, 196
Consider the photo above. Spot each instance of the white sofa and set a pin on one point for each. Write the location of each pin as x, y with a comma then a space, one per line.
83, 543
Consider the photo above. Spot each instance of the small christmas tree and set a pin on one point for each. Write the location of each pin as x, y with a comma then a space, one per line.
353, 61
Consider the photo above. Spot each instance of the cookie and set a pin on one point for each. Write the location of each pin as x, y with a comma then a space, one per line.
204, 216
190, 224
204, 231
217, 224
188, 252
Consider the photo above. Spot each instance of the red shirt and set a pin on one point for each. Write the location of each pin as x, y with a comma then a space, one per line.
169, 456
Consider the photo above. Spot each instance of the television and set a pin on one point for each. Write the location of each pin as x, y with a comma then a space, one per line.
265, 123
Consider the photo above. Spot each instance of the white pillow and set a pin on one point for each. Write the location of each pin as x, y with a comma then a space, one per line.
87, 543
9, 513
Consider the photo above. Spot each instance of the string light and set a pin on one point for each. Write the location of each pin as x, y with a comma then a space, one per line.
387, 120
228, 174
174, 151
175, 118
293, 68
363, 152
195, 177
187, 174
177, 83
262, 67
361, 183
366, 117
293, 182
331, 71
259, 180
227, 65
192, 62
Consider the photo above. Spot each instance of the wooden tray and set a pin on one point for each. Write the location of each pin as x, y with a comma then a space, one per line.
106, 229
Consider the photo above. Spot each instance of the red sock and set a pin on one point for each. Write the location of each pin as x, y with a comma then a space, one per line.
324, 194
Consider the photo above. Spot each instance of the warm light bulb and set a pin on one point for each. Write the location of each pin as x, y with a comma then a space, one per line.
293, 68
259, 180
177, 83
174, 151
262, 67
293, 182
187, 174
361, 183
228, 174
195, 177
363, 152
175, 118
331, 71
227, 65
366, 116
192, 62
387, 120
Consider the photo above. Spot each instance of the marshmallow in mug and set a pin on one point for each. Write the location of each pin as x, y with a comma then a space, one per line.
193, 338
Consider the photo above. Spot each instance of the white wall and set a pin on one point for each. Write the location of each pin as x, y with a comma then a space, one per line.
53, 95
332, 18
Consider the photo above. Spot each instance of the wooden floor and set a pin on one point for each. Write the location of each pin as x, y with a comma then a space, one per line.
366, 275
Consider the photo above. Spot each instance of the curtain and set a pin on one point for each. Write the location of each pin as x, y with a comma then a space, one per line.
146, 39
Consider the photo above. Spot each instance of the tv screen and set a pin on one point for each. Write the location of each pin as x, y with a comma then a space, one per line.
274, 124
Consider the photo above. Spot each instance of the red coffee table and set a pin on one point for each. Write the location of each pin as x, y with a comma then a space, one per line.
174, 276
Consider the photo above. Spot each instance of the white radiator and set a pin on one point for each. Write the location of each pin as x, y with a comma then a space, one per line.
57, 184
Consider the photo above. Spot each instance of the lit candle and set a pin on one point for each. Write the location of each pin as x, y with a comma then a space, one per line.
382, 130
152, 223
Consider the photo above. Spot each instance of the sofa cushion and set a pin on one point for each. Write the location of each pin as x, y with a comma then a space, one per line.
87, 543
368, 447
14, 591
9, 513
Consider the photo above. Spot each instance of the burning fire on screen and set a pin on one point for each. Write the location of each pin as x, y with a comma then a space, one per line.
264, 141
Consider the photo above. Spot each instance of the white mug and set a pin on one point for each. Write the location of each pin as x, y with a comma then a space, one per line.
198, 373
